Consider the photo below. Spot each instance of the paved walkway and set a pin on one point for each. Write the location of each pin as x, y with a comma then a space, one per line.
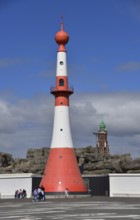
91, 208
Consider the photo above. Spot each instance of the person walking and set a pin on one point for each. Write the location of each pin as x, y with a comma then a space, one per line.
66, 193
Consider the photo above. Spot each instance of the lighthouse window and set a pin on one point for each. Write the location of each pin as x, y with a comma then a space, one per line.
61, 82
61, 63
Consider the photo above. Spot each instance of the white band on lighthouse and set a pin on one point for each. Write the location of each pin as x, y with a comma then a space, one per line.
61, 69
61, 129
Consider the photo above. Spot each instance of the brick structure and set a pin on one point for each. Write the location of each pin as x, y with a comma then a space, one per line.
102, 143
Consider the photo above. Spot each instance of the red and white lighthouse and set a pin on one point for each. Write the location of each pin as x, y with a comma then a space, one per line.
62, 170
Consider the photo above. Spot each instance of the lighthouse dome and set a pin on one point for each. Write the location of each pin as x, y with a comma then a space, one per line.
102, 126
61, 37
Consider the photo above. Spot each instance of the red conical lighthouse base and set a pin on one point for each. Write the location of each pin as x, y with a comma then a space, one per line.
62, 172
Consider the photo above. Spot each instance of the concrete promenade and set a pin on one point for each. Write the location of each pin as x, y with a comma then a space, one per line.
88, 208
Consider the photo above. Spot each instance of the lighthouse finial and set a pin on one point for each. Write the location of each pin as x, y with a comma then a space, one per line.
61, 23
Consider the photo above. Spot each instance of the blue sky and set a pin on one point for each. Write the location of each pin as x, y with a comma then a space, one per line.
103, 57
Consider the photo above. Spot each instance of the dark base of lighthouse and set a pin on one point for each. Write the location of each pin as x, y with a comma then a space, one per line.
71, 194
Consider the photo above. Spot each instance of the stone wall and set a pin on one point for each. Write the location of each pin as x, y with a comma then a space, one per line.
89, 162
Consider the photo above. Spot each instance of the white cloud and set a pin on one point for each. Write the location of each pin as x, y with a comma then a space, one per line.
120, 112
28, 123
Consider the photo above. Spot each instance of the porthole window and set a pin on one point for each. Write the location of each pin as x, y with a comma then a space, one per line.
61, 63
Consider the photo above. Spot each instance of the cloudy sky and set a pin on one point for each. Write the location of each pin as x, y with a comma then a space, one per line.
103, 57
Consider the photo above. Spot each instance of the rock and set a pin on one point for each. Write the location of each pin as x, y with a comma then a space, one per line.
36, 154
133, 171
21, 166
5, 159
132, 165
95, 172
89, 162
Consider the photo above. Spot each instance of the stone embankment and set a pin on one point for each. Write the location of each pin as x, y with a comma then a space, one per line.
89, 162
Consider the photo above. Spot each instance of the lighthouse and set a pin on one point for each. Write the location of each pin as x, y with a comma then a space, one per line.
62, 170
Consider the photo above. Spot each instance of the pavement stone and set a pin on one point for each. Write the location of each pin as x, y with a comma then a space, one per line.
89, 208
